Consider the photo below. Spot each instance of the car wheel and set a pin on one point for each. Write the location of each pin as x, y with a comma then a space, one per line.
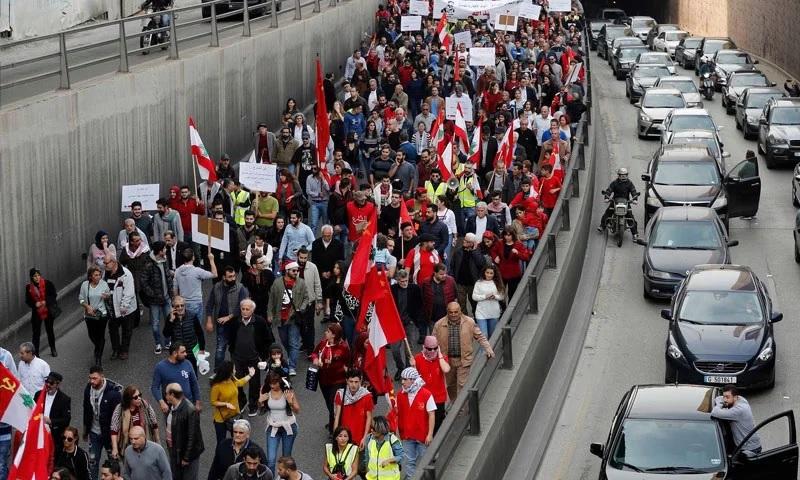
726, 222
645, 294
736, 121
771, 383
769, 161
758, 147
670, 375
794, 197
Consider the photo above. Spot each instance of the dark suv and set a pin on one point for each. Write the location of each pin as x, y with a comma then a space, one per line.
607, 35
708, 47
720, 329
779, 131
666, 431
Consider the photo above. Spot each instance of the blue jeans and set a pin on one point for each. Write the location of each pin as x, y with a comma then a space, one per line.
487, 325
412, 452
343, 237
467, 213
290, 339
319, 213
195, 310
222, 344
5, 450
157, 314
349, 329
273, 442
95, 452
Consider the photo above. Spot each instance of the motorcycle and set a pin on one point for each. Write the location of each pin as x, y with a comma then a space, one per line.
148, 37
707, 86
617, 223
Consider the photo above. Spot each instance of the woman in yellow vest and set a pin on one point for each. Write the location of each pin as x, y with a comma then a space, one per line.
384, 452
341, 456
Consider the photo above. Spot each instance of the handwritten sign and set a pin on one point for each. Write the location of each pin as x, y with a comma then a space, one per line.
419, 7
410, 23
204, 228
504, 21
146, 193
481, 56
560, 5
463, 37
259, 176
529, 10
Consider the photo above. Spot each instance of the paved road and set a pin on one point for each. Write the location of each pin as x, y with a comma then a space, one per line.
625, 341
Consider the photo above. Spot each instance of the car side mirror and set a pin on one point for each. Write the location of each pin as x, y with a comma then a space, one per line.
666, 314
776, 317
733, 243
645, 177
726, 154
773, 83
640, 241
720, 127
762, 121
660, 127
755, 62
638, 104
597, 449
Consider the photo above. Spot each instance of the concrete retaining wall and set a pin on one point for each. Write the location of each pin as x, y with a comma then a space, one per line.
64, 156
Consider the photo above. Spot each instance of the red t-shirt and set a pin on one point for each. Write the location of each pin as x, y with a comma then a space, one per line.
432, 373
356, 215
353, 415
286, 303
549, 199
421, 262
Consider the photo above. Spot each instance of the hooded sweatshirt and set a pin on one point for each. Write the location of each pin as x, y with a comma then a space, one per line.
169, 221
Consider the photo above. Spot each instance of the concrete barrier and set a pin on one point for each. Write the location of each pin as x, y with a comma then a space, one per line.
65, 155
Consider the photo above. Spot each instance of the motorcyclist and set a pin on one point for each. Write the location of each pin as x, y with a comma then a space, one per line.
622, 187
705, 67
158, 6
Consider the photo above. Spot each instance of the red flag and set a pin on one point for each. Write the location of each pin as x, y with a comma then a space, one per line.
555, 159
405, 217
357, 273
391, 414
566, 57
547, 27
385, 326
476, 145
456, 71
33, 457
441, 29
323, 127
460, 130
201, 157
375, 368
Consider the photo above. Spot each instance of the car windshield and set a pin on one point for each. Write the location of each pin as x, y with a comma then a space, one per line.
733, 58
675, 36
652, 72
725, 307
661, 100
612, 33
691, 43
749, 81
685, 86
708, 142
758, 100
785, 116
712, 46
686, 173
653, 60
643, 23
698, 235
629, 53
671, 446
692, 122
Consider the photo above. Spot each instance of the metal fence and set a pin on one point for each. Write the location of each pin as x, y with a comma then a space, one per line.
464, 414
209, 16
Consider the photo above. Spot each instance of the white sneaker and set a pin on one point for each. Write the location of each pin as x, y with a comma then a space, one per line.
292, 372
157, 350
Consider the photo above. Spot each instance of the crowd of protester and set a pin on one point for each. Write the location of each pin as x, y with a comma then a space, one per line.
454, 233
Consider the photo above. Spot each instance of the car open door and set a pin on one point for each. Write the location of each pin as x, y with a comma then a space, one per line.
772, 463
743, 185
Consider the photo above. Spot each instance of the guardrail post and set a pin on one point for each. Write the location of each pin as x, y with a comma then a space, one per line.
64, 66
508, 355
273, 20
575, 184
298, 14
474, 412
551, 251
123, 49
582, 150
533, 294
173, 37
316, 6
588, 109
246, 20
214, 29
565, 223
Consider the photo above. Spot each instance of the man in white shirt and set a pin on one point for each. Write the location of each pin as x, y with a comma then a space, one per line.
32, 369
542, 123
372, 95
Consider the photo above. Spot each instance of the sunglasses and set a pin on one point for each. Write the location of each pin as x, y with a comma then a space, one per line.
69, 439
137, 397
431, 349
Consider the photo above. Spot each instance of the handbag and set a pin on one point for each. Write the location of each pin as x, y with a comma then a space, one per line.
97, 315
312, 378
55, 311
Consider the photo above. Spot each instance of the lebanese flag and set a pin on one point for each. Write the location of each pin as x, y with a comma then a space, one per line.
547, 27
445, 161
323, 127
437, 131
460, 130
442, 34
204, 163
566, 57
15, 402
555, 160
474, 154
456, 70
405, 217
360, 264
505, 152
32, 461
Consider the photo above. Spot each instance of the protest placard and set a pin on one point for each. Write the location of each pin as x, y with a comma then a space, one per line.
204, 228
560, 5
451, 105
146, 193
505, 21
529, 10
481, 56
463, 37
259, 176
574, 72
419, 7
410, 23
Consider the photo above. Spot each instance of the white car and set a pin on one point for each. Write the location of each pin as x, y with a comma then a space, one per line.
687, 87
667, 41
656, 58
687, 119
654, 107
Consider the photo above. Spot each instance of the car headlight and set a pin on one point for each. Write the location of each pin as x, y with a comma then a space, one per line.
772, 140
767, 352
658, 274
672, 349
653, 201
644, 117
721, 201
752, 120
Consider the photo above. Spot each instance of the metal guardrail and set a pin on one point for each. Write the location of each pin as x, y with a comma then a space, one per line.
122, 55
464, 414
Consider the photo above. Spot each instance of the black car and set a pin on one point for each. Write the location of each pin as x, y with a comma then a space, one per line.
686, 50
708, 47
594, 30
749, 107
623, 59
676, 240
232, 5
720, 329
642, 77
735, 85
779, 131
607, 35
689, 174
667, 431
727, 61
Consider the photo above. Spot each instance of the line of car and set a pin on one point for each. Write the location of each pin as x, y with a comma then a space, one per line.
721, 315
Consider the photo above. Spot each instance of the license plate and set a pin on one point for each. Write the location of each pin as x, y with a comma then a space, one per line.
797, 154
719, 379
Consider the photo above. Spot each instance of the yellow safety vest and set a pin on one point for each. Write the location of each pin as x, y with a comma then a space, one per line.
376, 455
241, 202
347, 462
433, 194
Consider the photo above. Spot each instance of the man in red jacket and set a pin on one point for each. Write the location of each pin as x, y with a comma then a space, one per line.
437, 292
359, 213
416, 411
186, 205
421, 259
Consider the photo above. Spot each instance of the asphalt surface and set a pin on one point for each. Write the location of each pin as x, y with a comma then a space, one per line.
624, 345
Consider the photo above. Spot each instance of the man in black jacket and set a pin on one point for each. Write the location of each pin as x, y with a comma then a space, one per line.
325, 252
248, 341
100, 397
408, 298
187, 437
182, 328
156, 283
59, 412
437, 228
466, 267
231, 450
622, 187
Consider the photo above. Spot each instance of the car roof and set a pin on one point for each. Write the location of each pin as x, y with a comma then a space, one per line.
747, 72
730, 50
694, 37
720, 39
663, 91
714, 277
641, 17
677, 31
764, 90
686, 402
657, 54
785, 102
686, 213
700, 112
692, 134
684, 152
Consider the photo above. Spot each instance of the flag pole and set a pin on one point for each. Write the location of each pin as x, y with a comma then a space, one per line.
408, 349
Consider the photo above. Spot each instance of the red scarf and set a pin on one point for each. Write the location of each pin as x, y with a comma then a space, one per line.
39, 295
